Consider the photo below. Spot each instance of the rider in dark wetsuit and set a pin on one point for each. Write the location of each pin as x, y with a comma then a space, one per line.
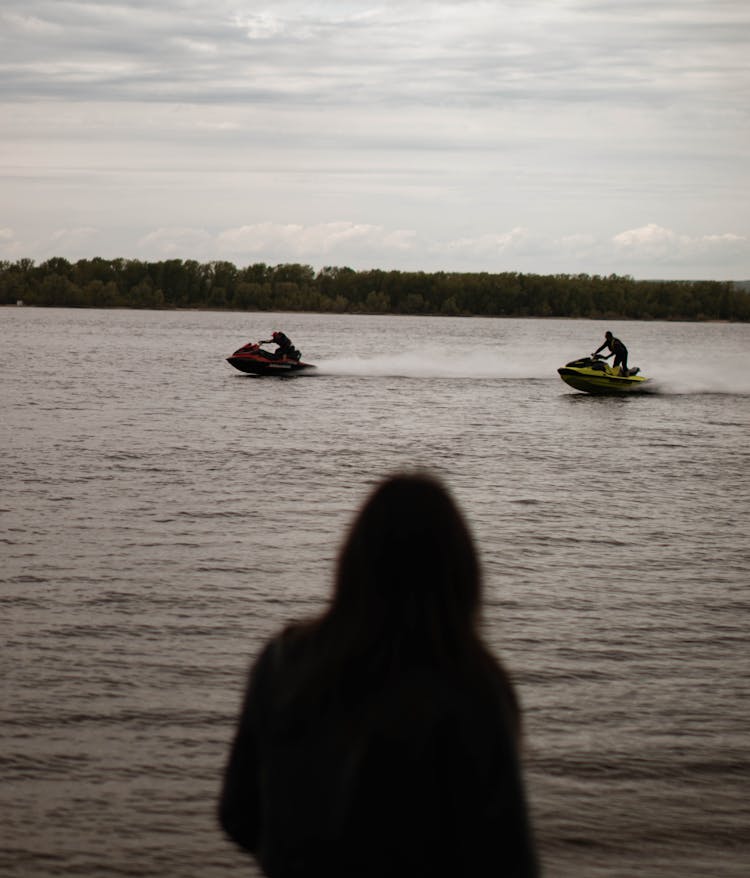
617, 348
285, 348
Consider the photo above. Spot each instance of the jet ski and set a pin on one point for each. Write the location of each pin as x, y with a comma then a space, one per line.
254, 360
594, 375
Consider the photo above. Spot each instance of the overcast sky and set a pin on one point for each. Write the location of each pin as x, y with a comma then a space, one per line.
562, 136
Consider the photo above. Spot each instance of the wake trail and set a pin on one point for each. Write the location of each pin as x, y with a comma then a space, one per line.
413, 364
695, 379
668, 379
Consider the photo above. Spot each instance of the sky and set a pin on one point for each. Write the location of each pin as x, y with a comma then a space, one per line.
538, 136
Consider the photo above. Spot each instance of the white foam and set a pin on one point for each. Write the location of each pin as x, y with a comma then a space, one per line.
727, 375
436, 364
703, 378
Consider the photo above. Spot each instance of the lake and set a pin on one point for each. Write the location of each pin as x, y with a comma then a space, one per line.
162, 514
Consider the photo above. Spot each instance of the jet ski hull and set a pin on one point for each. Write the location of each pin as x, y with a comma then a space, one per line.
253, 360
595, 376
253, 365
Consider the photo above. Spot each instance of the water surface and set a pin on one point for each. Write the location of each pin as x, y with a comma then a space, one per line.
162, 514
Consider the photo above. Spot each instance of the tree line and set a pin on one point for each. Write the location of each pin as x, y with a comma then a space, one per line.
177, 283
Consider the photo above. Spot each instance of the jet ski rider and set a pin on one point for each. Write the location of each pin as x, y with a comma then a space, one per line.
285, 348
617, 348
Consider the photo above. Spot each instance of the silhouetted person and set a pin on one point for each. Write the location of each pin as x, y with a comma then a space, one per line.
284, 346
380, 740
617, 348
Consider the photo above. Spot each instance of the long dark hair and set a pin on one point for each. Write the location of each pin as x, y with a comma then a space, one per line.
408, 574
407, 595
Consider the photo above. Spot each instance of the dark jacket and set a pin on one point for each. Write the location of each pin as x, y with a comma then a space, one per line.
284, 348
417, 778
284, 343
615, 346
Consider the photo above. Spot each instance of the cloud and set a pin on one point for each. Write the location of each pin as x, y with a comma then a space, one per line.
433, 134
11, 248
518, 249
67, 239
71, 243
258, 26
314, 242
654, 243
488, 245
442, 54
175, 243
648, 251
318, 243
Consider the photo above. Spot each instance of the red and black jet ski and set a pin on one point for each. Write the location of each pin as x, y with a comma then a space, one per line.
251, 358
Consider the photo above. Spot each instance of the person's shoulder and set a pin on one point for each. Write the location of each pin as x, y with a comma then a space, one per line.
498, 694
295, 640
278, 646
280, 652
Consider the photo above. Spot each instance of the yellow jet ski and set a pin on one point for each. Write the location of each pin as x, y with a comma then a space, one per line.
594, 375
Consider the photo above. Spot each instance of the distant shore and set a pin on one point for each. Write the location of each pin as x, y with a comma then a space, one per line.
220, 286
177, 309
